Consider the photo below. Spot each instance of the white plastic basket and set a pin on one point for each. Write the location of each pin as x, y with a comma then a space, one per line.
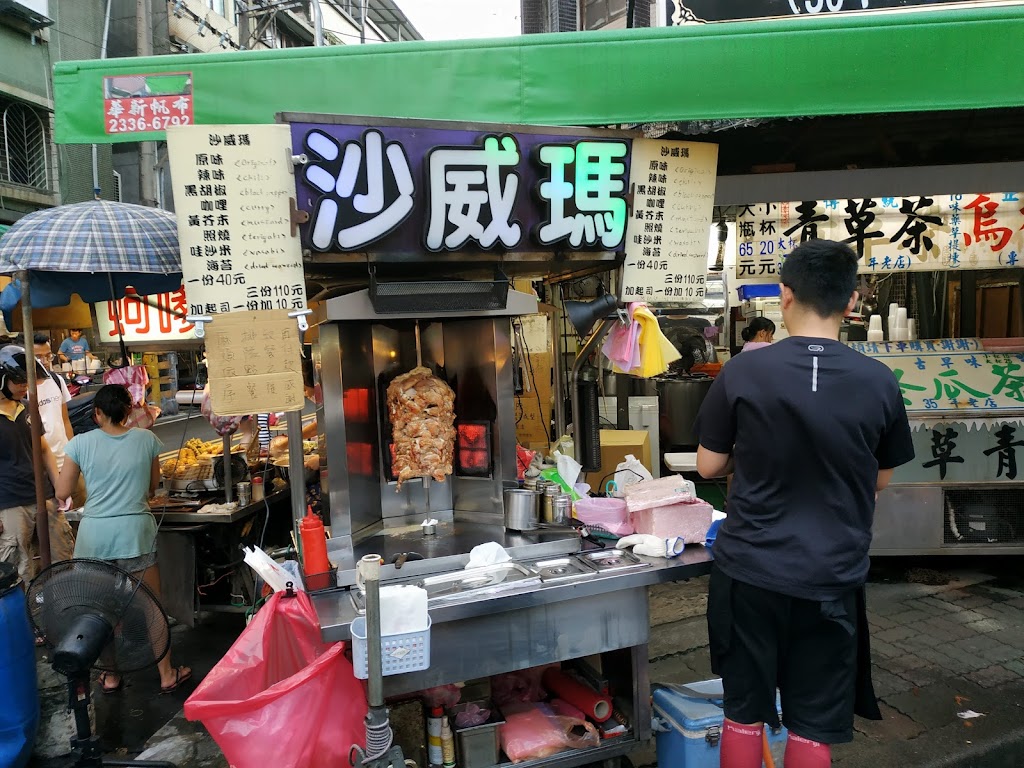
409, 652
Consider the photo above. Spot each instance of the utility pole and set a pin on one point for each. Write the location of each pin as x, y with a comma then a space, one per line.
243, 24
147, 149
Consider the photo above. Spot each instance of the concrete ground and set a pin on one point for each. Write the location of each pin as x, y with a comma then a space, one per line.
940, 649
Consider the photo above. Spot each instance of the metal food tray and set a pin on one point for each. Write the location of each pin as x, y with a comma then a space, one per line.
612, 560
558, 569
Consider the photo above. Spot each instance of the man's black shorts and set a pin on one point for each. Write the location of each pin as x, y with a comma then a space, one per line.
762, 640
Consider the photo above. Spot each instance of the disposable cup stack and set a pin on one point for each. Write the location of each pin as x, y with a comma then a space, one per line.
875, 328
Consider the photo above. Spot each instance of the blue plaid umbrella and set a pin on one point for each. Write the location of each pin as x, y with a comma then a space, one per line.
87, 248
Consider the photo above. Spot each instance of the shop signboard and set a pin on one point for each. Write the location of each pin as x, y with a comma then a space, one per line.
673, 187
962, 452
974, 383
891, 234
147, 103
141, 319
679, 12
873, 348
405, 187
233, 191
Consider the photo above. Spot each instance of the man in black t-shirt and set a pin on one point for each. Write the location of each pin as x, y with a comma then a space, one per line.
815, 430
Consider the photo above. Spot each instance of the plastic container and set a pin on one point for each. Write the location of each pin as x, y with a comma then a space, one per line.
759, 291
478, 746
314, 544
447, 744
257, 489
691, 729
435, 751
19, 697
409, 652
609, 514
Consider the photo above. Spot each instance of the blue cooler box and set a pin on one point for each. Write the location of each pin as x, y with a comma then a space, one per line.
690, 729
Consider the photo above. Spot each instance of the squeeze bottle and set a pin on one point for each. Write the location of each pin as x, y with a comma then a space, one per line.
314, 544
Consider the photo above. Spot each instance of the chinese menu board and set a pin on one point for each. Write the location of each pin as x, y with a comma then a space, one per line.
147, 103
232, 191
673, 187
900, 347
396, 187
943, 382
253, 359
955, 452
891, 234
139, 319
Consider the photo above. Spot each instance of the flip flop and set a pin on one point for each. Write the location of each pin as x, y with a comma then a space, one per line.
102, 680
179, 678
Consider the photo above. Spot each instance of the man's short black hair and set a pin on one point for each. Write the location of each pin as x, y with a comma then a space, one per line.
822, 275
41, 338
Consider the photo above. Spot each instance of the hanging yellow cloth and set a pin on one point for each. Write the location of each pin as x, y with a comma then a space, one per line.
656, 351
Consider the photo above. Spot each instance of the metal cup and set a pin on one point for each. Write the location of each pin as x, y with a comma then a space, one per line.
521, 509
243, 493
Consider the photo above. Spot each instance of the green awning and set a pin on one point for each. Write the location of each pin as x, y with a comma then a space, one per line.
904, 61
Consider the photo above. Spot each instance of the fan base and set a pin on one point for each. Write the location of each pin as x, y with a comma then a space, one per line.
85, 750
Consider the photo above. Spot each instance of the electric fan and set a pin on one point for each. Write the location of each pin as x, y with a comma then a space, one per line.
694, 350
93, 614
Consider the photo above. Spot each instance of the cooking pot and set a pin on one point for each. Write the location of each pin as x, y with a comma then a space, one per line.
679, 400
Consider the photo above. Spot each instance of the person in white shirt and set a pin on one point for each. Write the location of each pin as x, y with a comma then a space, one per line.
53, 409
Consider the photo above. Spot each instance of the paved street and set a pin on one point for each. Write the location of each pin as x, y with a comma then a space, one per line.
938, 651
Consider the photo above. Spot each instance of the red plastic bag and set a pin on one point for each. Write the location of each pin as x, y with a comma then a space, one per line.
282, 694
534, 731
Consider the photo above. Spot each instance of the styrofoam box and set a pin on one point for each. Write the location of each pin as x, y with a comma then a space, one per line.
689, 521
693, 727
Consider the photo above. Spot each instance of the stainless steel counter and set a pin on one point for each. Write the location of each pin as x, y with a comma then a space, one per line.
448, 549
539, 624
336, 609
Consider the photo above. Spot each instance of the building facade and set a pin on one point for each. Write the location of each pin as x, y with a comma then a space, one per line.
35, 173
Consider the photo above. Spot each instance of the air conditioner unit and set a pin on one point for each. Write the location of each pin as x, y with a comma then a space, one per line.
34, 13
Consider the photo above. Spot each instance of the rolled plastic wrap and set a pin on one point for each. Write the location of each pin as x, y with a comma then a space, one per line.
595, 706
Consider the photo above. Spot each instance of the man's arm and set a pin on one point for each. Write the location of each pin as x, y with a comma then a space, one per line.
49, 462
711, 464
62, 351
884, 478
67, 421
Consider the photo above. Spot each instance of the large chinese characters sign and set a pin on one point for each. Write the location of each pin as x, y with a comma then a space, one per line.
405, 188
958, 381
891, 234
139, 319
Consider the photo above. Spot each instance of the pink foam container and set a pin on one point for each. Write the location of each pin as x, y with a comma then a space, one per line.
689, 521
648, 494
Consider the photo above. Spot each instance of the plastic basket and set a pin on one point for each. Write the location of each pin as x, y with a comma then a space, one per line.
759, 291
409, 652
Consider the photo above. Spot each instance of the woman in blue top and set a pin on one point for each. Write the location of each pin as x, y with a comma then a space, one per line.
121, 470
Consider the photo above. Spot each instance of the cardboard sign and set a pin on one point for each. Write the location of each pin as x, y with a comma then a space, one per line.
253, 358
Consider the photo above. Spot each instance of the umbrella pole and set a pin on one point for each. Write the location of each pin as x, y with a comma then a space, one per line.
36, 424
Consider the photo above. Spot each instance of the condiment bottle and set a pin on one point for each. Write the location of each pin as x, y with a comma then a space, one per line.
257, 489
447, 743
435, 752
314, 544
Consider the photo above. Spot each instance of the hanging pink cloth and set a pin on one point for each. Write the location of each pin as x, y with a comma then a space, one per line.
135, 379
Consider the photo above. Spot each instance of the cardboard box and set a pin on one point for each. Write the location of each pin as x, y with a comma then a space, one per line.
533, 407
616, 444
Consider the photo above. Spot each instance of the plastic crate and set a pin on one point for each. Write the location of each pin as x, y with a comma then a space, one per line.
409, 652
759, 291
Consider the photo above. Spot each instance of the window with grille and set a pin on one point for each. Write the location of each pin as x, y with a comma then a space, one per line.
24, 145
599, 13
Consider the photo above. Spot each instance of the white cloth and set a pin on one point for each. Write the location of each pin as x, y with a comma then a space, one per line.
52, 400
489, 553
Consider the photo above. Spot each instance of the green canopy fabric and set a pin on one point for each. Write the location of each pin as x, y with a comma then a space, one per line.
962, 59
